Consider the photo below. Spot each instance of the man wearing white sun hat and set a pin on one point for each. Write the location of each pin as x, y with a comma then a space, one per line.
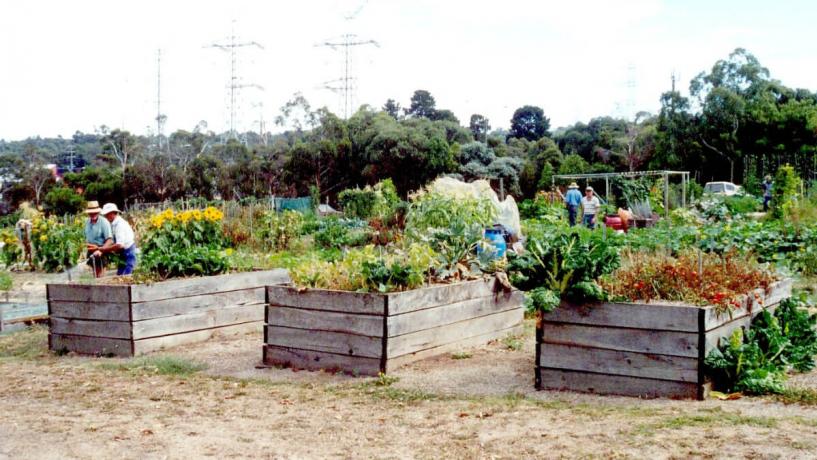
124, 241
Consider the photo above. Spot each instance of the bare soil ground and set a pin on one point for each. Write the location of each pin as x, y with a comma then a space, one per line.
479, 405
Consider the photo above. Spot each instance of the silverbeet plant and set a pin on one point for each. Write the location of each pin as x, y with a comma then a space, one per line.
562, 264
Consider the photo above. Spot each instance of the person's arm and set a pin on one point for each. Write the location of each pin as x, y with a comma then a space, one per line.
102, 249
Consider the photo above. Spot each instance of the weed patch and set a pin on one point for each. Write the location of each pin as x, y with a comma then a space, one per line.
29, 343
161, 365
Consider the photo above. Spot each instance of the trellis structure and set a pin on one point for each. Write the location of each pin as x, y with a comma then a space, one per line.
632, 175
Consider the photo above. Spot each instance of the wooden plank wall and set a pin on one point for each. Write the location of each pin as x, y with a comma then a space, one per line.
637, 350
370, 333
131, 320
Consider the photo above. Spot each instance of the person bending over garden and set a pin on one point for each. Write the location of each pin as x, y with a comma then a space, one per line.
97, 234
572, 201
590, 207
124, 242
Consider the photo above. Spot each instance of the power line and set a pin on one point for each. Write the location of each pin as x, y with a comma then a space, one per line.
234, 86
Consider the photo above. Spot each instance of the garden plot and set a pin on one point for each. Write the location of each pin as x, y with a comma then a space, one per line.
128, 320
645, 350
369, 333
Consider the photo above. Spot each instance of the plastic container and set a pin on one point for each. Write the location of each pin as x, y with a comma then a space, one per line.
497, 240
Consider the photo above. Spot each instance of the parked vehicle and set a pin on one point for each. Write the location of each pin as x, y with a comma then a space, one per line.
722, 188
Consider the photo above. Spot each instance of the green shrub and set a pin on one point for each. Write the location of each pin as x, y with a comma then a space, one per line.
784, 190
63, 200
370, 202
337, 233
742, 204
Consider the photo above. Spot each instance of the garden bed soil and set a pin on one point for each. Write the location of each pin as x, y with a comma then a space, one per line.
129, 320
644, 350
370, 333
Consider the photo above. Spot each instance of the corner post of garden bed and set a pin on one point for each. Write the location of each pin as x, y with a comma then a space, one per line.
384, 339
701, 353
537, 381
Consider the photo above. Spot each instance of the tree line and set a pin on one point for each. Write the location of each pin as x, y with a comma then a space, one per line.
737, 124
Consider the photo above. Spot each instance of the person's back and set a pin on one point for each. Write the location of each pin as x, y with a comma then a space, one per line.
573, 197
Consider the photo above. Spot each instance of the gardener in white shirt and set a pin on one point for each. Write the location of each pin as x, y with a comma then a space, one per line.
590, 206
124, 242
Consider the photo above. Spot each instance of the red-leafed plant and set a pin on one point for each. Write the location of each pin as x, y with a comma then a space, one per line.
719, 280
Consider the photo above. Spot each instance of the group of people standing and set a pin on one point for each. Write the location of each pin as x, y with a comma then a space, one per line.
108, 236
589, 203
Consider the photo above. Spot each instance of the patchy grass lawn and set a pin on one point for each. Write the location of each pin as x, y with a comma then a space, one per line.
202, 401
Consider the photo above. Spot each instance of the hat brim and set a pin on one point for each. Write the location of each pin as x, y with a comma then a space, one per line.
93, 211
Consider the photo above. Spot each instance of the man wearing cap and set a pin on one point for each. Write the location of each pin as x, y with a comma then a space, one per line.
97, 234
123, 243
572, 201
590, 206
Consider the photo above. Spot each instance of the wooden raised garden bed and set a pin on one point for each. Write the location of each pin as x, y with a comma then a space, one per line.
129, 320
645, 350
368, 333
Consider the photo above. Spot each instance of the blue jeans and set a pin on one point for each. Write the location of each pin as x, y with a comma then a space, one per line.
588, 221
572, 210
130, 261
766, 200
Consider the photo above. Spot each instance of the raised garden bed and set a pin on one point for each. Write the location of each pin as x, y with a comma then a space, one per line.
369, 333
129, 320
645, 350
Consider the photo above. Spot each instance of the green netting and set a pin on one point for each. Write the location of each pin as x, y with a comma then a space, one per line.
303, 204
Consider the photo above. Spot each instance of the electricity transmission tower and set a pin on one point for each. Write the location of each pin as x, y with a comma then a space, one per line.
232, 47
160, 117
347, 82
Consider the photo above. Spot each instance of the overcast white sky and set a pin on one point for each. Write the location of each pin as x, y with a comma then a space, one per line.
76, 65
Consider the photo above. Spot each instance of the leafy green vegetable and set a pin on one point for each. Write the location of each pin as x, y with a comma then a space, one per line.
756, 362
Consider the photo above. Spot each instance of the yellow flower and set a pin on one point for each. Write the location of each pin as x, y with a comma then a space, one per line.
229, 251
197, 215
43, 238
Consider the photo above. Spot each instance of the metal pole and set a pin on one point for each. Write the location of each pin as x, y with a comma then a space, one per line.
666, 196
607, 189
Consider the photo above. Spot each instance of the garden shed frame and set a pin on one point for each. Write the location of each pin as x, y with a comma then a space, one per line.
665, 174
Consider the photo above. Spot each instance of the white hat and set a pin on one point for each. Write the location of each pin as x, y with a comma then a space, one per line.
109, 208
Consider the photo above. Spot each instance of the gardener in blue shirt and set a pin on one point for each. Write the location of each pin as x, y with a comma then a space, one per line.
767, 193
97, 234
572, 200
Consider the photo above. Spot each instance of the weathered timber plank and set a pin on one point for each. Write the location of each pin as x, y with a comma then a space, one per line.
207, 285
194, 304
168, 341
321, 299
347, 323
470, 342
15, 312
91, 328
554, 379
420, 320
443, 294
637, 340
450, 333
88, 293
317, 360
196, 321
111, 311
569, 357
629, 315
89, 345
332, 342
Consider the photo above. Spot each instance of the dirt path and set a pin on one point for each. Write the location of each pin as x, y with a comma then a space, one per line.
482, 406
